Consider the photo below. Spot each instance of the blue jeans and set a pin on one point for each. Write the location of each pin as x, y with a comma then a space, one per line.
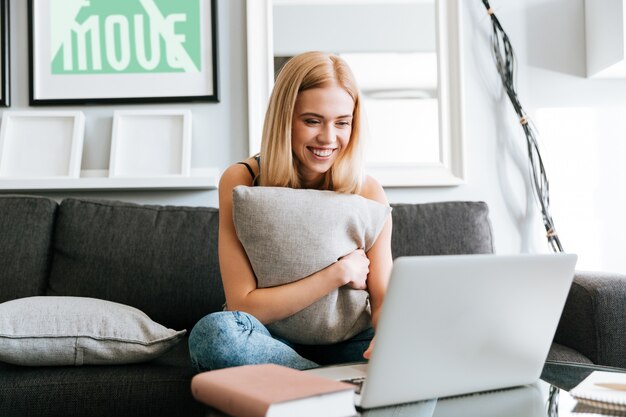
234, 338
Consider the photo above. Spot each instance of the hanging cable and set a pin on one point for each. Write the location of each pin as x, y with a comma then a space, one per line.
506, 65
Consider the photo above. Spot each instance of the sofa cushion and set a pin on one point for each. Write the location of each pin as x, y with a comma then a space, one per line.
560, 353
26, 225
443, 228
289, 234
41, 331
156, 388
593, 317
159, 259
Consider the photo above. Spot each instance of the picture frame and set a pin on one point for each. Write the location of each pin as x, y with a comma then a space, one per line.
41, 144
150, 143
5, 90
122, 52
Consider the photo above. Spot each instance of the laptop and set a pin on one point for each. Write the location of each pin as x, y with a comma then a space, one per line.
459, 324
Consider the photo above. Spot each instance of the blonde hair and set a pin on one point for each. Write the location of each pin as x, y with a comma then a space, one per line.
279, 168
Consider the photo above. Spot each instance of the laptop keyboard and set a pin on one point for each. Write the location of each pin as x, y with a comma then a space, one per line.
357, 382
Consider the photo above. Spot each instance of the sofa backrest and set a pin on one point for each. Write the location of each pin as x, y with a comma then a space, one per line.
443, 228
26, 225
160, 259
163, 259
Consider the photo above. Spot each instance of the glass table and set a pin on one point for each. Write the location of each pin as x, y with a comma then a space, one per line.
547, 397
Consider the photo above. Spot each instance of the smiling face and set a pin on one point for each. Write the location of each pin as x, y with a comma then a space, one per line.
321, 128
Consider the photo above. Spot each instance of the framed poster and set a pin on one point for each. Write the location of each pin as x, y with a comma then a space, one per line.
5, 97
122, 51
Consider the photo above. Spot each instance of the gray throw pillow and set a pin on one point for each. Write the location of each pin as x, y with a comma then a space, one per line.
289, 234
40, 331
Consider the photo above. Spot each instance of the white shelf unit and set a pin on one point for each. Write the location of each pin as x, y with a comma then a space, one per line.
605, 38
98, 180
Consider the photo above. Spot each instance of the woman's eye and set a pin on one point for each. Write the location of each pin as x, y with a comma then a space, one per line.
343, 123
311, 121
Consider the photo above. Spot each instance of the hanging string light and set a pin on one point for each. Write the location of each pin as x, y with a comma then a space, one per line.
506, 65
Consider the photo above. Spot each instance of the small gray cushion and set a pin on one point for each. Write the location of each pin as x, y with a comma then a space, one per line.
39, 331
289, 234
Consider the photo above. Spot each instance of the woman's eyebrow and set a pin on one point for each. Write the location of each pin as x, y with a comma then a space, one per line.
322, 117
319, 116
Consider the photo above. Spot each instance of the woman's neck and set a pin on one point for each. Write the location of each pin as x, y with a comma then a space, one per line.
308, 179
315, 183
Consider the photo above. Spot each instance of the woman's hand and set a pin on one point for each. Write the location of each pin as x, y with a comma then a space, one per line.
355, 267
368, 351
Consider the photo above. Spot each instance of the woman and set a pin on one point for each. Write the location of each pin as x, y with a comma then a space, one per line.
311, 139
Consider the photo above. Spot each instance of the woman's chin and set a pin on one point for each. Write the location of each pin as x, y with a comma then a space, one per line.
319, 167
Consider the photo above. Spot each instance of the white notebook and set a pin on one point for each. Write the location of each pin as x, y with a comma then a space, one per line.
605, 390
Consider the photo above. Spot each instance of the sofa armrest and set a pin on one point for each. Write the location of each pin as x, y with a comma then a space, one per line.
594, 318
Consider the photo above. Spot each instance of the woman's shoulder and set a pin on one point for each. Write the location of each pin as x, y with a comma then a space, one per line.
240, 173
372, 189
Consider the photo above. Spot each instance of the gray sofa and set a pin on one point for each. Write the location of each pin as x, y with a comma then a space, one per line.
163, 260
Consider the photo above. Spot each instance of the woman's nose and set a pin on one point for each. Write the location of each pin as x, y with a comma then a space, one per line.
327, 135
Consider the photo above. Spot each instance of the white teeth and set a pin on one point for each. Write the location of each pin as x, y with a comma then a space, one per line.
322, 152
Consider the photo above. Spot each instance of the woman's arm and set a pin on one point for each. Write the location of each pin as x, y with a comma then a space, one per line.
380, 253
275, 303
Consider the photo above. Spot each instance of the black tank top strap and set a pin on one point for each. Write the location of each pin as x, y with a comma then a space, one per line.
258, 162
249, 169
254, 177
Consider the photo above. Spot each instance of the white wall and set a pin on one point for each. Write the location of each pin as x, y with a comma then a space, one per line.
583, 126
495, 155
548, 39
219, 129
